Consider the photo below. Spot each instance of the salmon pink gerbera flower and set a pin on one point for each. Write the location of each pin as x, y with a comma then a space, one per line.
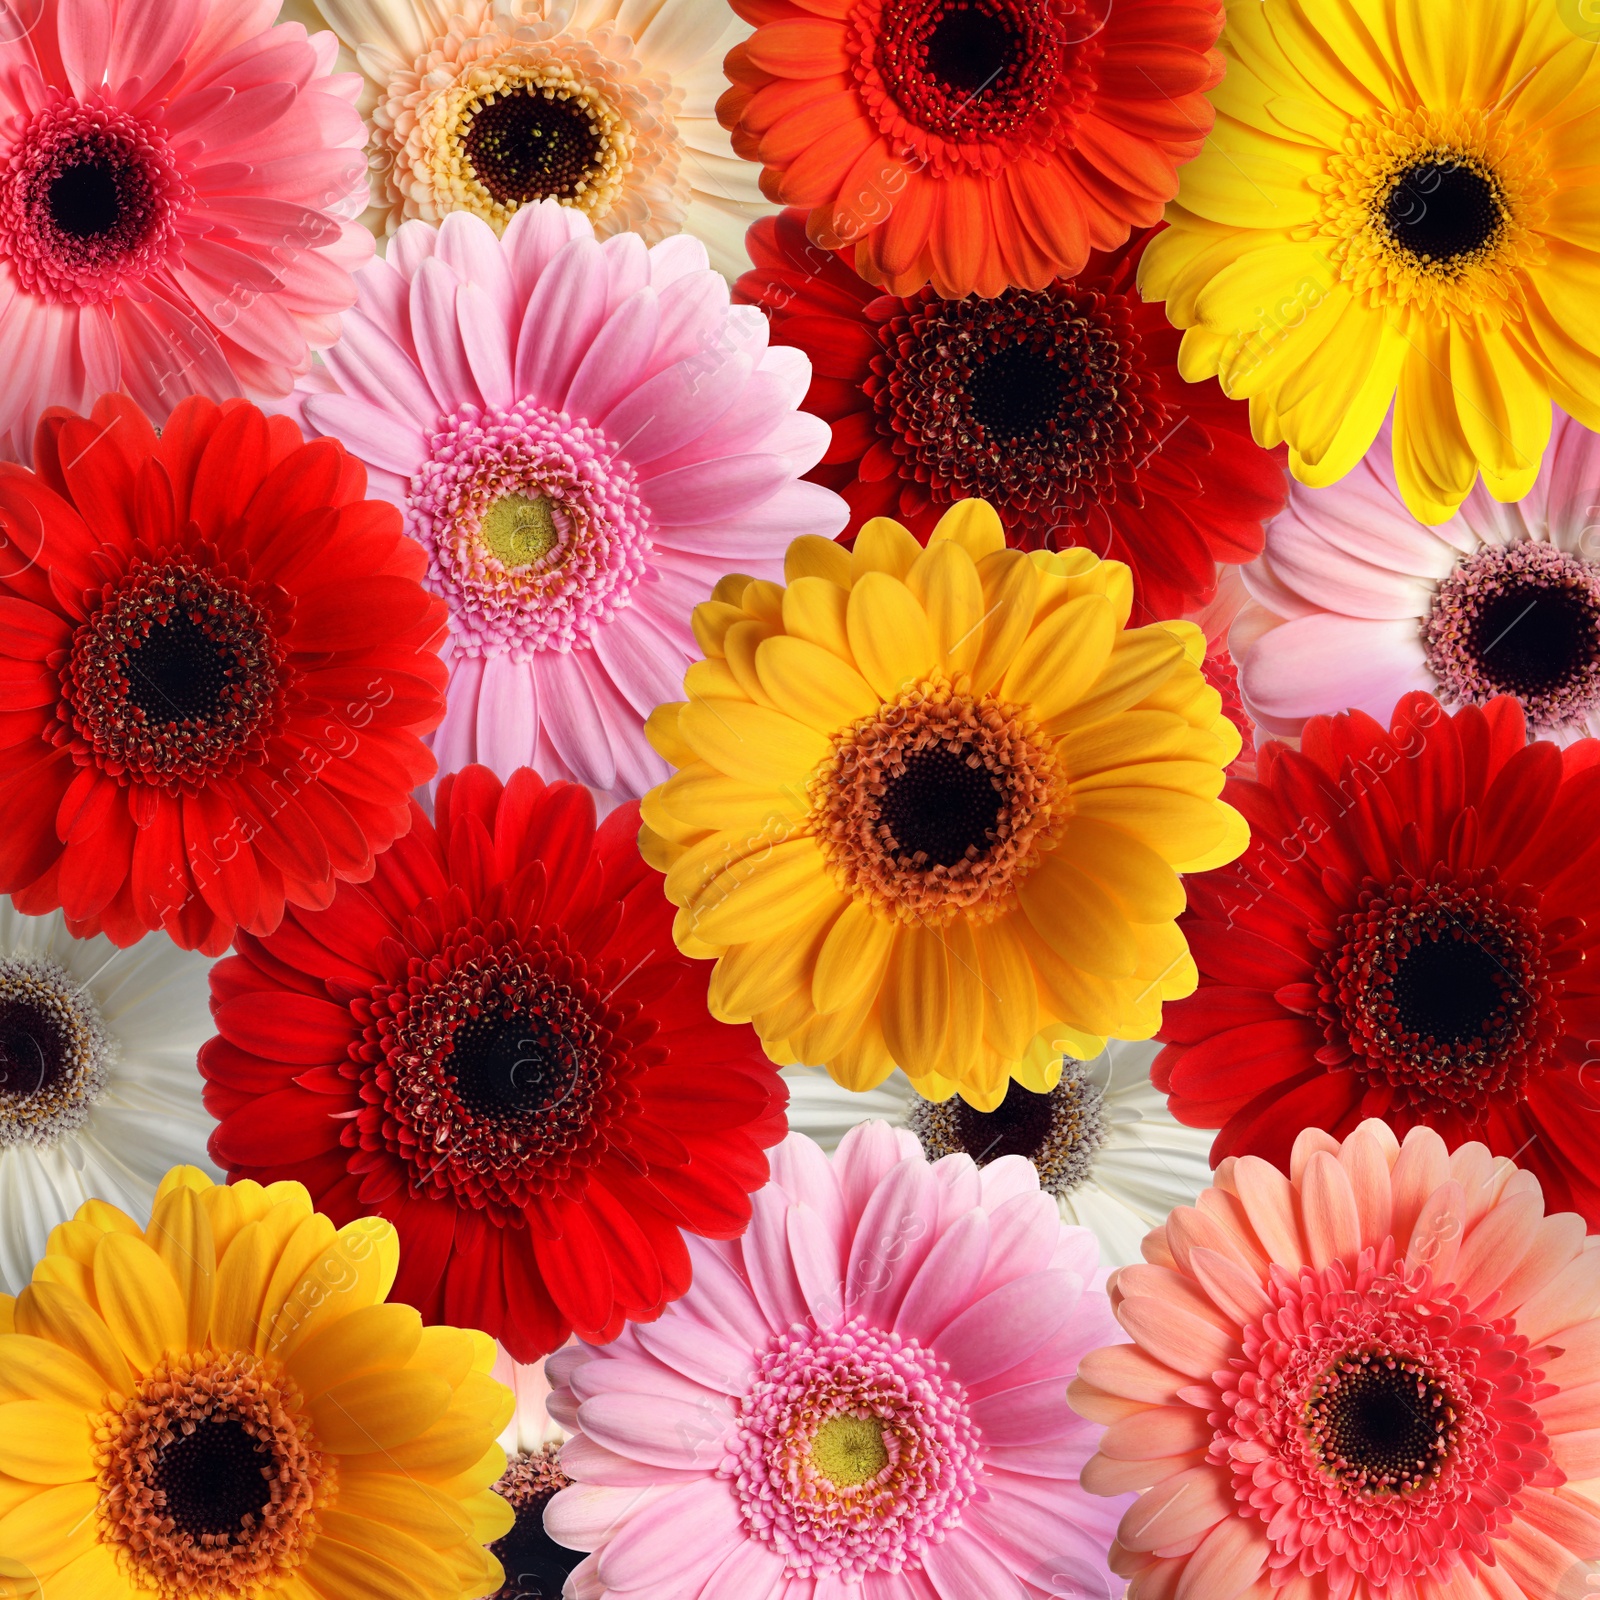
863, 1396
177, 183
1373, 1377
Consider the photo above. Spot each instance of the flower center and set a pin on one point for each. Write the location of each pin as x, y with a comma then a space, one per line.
1439, 211
54, 1054
534, 527
853, 1450
1380, 1423
536, 1566
1520, 619
936, 805
90, 198
1441, 990
1027, 400
209, 1476
177, 676
938, 75
1060, 1132
531, 144
497, 1069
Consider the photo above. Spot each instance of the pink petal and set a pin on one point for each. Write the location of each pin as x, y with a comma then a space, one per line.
801, 1169
646, 668
1328, 1212
814, 1250
582, 1516
467, 244
1182, 1508
677, 258
662, 1431
484, 345
1022, 1237
378, 437
1034, 1413
1004, 1328
455, 740
721, 1296
610, 369
1229, 1560
964, 1566
751, 1572
438, 337
627, 268
1323, 663
700, 1352
413, 243
83, 28
533, 238
562, 317
507, 715
371, 366
945, 1281
148, 39
692, 308
1006, 1177
767, 1263
586, 1461
865, 1157
569, 714
891, 1241
691, 1529
665, 412
714, 490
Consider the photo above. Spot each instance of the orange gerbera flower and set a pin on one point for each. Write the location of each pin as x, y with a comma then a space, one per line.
973, 144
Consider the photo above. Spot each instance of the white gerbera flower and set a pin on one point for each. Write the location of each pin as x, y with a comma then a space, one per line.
99, 1092
1103, 1142
609, 107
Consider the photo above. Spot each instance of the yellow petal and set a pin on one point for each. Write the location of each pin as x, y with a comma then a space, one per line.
915, 1001
1178, 827
815, 610
230, 1206
963, 1043
765, 894
1234, 842
710, 622
813, 685
310, 1240
180, 1232
48, 1311
374, 1336
865, 1062
752, 743
386, 1542
43, 1441
356, 1270
811, 556
383, 1497
447, 1351
1062, 658
741, 644
1011, 994
890, 636
853, 956
759, 974
1142, 659
1077, 919
1202, 778
1011, 586
882, 545
1145, 886
947, 586
138, 1299
95, 1575
378, 1410
460, 1439
666, 738
974, 525
1433, 462
336, 1571
35, 1369
52, 1528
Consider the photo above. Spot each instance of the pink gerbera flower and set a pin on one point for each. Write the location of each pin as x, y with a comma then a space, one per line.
1375, 1377
1358, 603
861, 1399
584, 437
176, 183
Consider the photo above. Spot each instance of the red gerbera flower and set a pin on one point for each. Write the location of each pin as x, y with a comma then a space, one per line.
1062, 407
1411, 935
972, 143
496, 1045
216, 660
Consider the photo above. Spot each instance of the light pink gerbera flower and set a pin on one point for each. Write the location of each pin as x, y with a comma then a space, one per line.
1358, 603
177, 179
585, 437
1377, 1377
864, 1398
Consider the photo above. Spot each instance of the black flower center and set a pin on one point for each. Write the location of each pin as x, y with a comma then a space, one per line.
528, 146
511, 1064
178, 672
1016, 393
214, 1478
86, 200
35, 1052
970, 48
1448, 989
1380, 1422
1018, 1126
1443, 210
536, 1566
1534, 640
940, 807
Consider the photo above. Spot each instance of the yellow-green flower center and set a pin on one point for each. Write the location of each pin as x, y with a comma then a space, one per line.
519, 530
849, 1450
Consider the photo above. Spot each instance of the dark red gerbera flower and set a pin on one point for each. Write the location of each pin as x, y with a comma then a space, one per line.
1411, 935
1062, 407
216, 662
496, 1045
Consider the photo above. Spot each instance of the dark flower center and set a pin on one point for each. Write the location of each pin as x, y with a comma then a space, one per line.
971, 47
214, 1478
529, 146
1059, 1132
178, 676
942, 805
1031, 401
35, 1048
1440, 211
511, 1064
53, 1052
85, 200
1520, 619
536, 1566
1448, 988
1380, 1423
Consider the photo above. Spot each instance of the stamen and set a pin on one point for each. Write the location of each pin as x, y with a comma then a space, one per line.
54, 1052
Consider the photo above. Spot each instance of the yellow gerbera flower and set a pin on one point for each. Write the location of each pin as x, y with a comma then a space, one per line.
220, 1405
932, 803
1397, 204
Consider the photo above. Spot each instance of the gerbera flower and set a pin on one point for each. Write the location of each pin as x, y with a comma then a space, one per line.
972, 145
1060, 406
220, 1404
536, 1567
932, 803
1390, 211
98, 1090
220, 660
176, 179
583, 438
495, 1045
1373, 1377
863, 1395
1359, 602
491, 105
1410, 936
1102, 1141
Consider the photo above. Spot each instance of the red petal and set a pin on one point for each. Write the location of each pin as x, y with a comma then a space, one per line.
288, 1027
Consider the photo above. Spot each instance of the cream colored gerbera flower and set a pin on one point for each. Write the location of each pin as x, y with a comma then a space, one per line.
490, 105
